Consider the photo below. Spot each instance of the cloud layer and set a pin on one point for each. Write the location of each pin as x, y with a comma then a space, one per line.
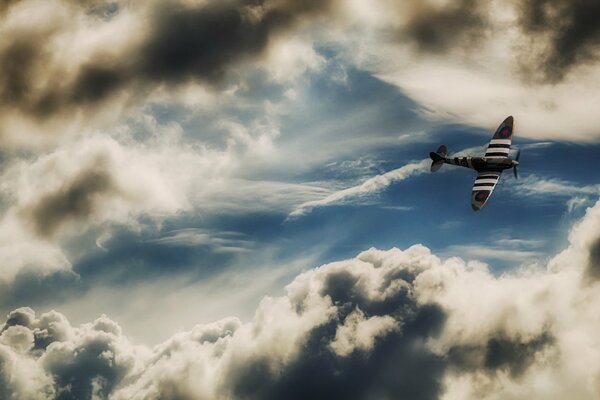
384, 324
118, 55
532, 57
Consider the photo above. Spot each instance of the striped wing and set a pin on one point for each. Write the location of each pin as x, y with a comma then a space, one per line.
483, 187
500, 144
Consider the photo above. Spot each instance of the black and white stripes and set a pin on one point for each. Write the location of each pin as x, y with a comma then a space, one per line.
486, 181
498, 148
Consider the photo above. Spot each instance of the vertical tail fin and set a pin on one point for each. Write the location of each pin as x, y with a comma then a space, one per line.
442, 151
438, 158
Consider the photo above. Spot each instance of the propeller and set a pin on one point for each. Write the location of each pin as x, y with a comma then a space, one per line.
516, 163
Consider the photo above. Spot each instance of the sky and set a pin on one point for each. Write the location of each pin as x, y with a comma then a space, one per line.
231, 199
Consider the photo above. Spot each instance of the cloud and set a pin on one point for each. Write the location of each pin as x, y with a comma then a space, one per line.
79, 363
532, 185
576, 202
113, 57
498, 63
437, 27
43, 40
204, 42
563, 33
358, 333
368, 187
555, 37
384, 324
94, 182
22, 252
133, 179
75, 200
220, 241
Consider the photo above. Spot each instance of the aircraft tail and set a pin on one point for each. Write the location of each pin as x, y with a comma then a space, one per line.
438, 158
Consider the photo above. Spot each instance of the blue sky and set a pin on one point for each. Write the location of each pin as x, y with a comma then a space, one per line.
198, 163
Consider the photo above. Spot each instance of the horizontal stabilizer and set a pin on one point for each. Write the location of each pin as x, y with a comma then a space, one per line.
436, 165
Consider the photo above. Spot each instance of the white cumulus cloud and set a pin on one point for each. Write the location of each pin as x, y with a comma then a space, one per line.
388, 323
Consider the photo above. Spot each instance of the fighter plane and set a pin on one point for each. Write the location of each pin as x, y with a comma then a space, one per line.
489, 167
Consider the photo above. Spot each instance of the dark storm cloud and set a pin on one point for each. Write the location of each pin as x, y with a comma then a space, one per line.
398, 366
565, 34
204, 43
184, 43
17, 63
559, 34
515, 356
500, 354
75, 200
91, 370
92, 85
95, 83
6, 4
435, 28
27, 57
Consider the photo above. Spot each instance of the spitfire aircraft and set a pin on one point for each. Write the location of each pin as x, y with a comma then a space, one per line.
489, 167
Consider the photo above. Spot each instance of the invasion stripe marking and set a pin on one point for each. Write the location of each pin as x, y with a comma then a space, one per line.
498, 145
480, 188
485, 181
500, 141
496, 154
504, 150
503, 156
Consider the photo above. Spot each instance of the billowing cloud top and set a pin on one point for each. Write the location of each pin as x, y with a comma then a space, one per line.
384, 324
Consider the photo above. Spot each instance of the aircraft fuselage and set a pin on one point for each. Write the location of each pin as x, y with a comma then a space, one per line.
480, 164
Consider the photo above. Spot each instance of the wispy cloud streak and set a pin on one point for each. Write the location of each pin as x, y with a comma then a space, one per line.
533, 185
370, 186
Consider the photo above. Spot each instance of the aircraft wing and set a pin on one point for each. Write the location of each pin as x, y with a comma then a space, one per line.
500, 144
483, 187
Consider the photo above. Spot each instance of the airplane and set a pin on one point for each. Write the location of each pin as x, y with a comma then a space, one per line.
489, 167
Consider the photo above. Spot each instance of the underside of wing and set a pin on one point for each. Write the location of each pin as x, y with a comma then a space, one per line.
483, 187
500, 144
